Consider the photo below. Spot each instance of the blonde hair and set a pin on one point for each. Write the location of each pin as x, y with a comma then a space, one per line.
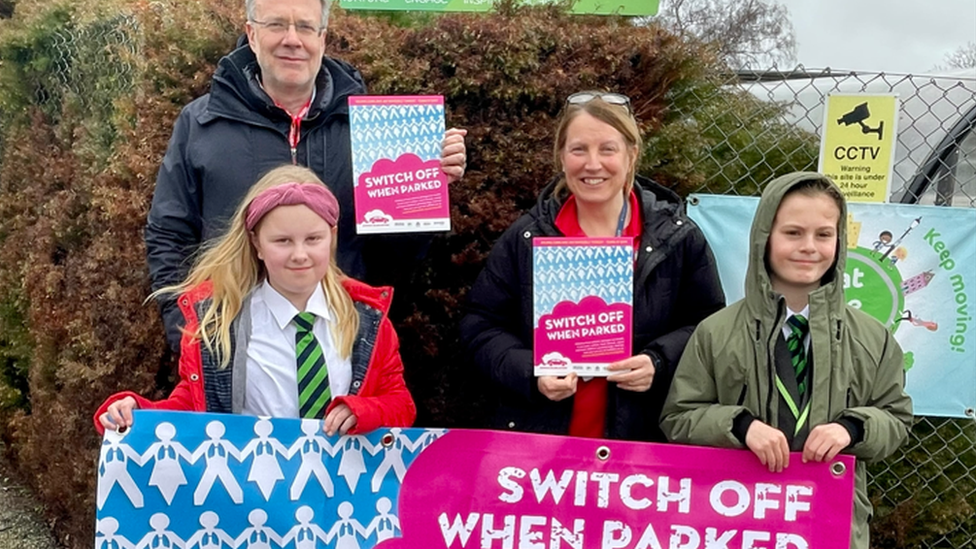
618, 117
231, 264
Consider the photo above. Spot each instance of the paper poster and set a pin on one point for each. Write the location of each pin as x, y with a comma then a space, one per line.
183, 479
396, 149
583, 291
857, 147
908, 266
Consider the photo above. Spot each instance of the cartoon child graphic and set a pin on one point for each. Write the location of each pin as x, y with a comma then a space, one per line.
883, 241
899, 254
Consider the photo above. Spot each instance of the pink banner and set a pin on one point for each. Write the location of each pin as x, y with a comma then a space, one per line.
477, 489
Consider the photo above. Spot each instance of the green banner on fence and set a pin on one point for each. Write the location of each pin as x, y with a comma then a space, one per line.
598, 7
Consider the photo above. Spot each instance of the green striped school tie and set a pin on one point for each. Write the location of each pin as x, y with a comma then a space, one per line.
799, 326
314, 393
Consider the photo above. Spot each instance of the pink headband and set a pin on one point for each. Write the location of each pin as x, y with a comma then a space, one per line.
317, 197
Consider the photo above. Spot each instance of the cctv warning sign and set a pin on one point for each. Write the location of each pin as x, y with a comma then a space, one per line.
857, 144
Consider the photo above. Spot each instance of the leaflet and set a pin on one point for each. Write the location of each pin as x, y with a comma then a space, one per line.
399, 186
582, 304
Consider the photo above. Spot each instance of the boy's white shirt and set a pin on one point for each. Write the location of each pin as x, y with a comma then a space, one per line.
786, 328
272, 370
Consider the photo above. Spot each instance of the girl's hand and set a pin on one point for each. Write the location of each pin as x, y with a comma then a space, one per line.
340, 419
118, 417
633, 374
558, 388
770, 446
825, 442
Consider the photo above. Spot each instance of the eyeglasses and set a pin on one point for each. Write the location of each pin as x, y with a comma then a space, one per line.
280, 26
582, 98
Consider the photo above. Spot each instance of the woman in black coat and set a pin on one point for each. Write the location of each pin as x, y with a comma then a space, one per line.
676, 285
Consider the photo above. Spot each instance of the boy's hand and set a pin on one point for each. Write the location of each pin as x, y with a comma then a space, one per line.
340, 419
770, 446
558, 388
633, 374
825, 442
118, 416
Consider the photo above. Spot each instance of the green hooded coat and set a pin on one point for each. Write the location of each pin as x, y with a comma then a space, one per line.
727, 368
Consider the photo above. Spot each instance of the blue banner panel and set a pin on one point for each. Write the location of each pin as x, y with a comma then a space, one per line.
219, 480
911, 267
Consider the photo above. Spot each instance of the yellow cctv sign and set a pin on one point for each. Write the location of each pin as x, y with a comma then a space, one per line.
857, 145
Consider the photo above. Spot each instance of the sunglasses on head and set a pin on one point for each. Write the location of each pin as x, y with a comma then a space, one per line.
581, 98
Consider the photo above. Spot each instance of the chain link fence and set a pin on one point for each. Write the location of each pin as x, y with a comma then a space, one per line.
935, 156
931, 481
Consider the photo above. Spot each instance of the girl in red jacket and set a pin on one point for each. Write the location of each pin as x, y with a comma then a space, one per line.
273, 327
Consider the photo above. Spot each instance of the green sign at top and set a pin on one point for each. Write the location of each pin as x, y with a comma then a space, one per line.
598, 7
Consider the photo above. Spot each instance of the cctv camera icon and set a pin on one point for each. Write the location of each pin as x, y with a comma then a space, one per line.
858, 115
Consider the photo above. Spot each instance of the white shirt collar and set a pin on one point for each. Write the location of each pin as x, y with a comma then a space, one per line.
282, 309
805, 312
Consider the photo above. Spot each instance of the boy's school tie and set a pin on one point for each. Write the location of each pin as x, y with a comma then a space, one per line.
799, 326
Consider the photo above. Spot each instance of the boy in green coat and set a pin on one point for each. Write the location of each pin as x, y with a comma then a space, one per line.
791, 367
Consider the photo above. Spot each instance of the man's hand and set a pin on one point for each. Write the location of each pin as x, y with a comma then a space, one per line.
558, 388
770, 446
454, 158
633, 374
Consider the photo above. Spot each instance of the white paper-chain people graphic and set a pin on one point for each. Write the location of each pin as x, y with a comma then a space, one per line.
392, 459
384, 524
216, 451
305, 533
210, 537
168, 475
426, 438
113, 469
258, 536
160, 537
167, 472
310, 447
265, 471
346, 530
352, 465
105, 537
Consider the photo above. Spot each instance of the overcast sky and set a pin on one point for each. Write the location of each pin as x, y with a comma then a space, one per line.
902, 36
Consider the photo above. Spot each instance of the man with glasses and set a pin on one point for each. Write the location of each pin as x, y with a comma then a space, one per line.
274, 100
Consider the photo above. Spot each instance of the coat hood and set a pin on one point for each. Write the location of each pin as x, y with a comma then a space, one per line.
761, 299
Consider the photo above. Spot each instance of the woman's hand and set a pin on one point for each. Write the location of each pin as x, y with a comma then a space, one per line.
825, 442
769, 444
454, 158
633, 374
118, 417
340, 419
558, 388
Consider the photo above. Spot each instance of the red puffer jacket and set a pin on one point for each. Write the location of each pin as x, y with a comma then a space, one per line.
379, 396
